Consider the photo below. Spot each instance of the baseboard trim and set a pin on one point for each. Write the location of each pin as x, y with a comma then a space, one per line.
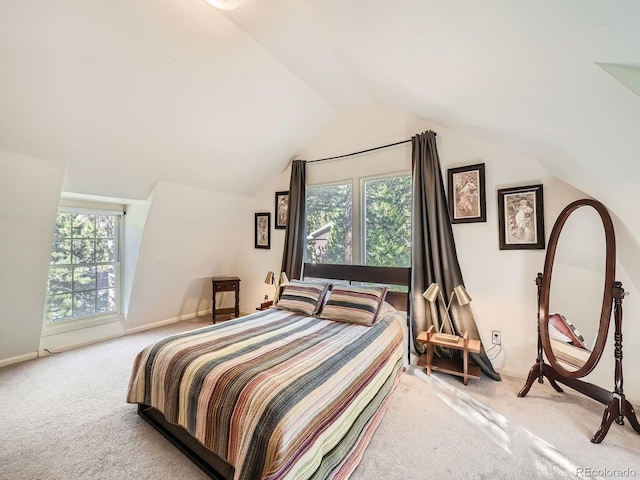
45, 352
18, 359
505, 372
168, 321
71, 346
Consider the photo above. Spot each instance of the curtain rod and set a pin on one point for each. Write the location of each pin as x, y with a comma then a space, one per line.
361, 151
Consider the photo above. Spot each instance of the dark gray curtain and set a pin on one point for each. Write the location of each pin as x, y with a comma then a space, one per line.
294, 239
434, 257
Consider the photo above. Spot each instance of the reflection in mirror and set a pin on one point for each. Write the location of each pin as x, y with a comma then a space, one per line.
577, 281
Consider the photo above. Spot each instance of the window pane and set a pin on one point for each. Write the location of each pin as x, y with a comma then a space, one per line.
106, 276
84, 225
106, 301
105, 226
61, 253
84, 278
84, 303
83, 250
105, 250
329, 224
60, 280
63, 224
59, 307
388, 221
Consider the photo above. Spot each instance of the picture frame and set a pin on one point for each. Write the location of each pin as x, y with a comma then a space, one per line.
281, 210
467, 194
521, 217
263, 230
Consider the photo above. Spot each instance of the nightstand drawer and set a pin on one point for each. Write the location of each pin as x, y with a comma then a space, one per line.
226, 286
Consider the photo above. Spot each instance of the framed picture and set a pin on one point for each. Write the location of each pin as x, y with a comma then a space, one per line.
521, 218
282, 210
467, 195
263, 230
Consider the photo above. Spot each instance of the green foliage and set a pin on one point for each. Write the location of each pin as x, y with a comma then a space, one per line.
82, 277
388, 222
387, 229
330, 206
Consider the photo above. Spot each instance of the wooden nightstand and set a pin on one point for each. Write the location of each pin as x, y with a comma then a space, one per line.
447, 365
225, 284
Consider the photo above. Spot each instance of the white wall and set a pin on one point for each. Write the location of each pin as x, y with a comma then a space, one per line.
502, 283
134, 222
29, 194
190, 234
61, 337
173, 243
252, 264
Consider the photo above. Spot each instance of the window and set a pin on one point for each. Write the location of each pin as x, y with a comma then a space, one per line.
381, 235
84, 276
387, 221
329, 224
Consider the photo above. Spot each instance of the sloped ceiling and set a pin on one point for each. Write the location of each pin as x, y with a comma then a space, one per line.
128, 92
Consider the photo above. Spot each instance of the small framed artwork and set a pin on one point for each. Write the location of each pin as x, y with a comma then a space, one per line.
467, 195
521, 218
263, 230
282, 209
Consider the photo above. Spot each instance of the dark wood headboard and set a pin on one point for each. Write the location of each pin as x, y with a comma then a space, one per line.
363, 273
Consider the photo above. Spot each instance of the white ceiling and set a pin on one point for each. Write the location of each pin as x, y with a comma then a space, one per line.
128, 92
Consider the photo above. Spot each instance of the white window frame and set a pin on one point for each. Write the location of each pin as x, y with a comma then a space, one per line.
60, 326
355, 236
358, 212
361, 206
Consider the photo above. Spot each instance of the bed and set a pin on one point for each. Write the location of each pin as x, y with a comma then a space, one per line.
289, 392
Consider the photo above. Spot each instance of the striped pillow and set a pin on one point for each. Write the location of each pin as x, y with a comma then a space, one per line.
303, 297
354, 304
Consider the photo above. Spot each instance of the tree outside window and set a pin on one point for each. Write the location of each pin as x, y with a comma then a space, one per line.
83, 276
386, 224
329, 223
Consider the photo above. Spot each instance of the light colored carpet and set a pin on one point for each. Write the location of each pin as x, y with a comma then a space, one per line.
64, 417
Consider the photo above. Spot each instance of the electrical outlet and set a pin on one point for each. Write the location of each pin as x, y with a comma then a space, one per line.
266, 297
496, 337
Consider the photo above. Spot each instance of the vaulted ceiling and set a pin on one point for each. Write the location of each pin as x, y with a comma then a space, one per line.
128, 92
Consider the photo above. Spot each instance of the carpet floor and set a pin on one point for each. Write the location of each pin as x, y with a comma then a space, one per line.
64, 417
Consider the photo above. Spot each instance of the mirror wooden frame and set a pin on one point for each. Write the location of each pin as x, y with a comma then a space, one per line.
607, 295
613, 293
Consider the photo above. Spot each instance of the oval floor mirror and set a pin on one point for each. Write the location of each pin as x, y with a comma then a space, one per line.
580, 264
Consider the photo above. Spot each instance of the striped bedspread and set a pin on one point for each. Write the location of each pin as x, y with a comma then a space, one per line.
276, 394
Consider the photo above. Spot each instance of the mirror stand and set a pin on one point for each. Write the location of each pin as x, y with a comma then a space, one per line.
617, 406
